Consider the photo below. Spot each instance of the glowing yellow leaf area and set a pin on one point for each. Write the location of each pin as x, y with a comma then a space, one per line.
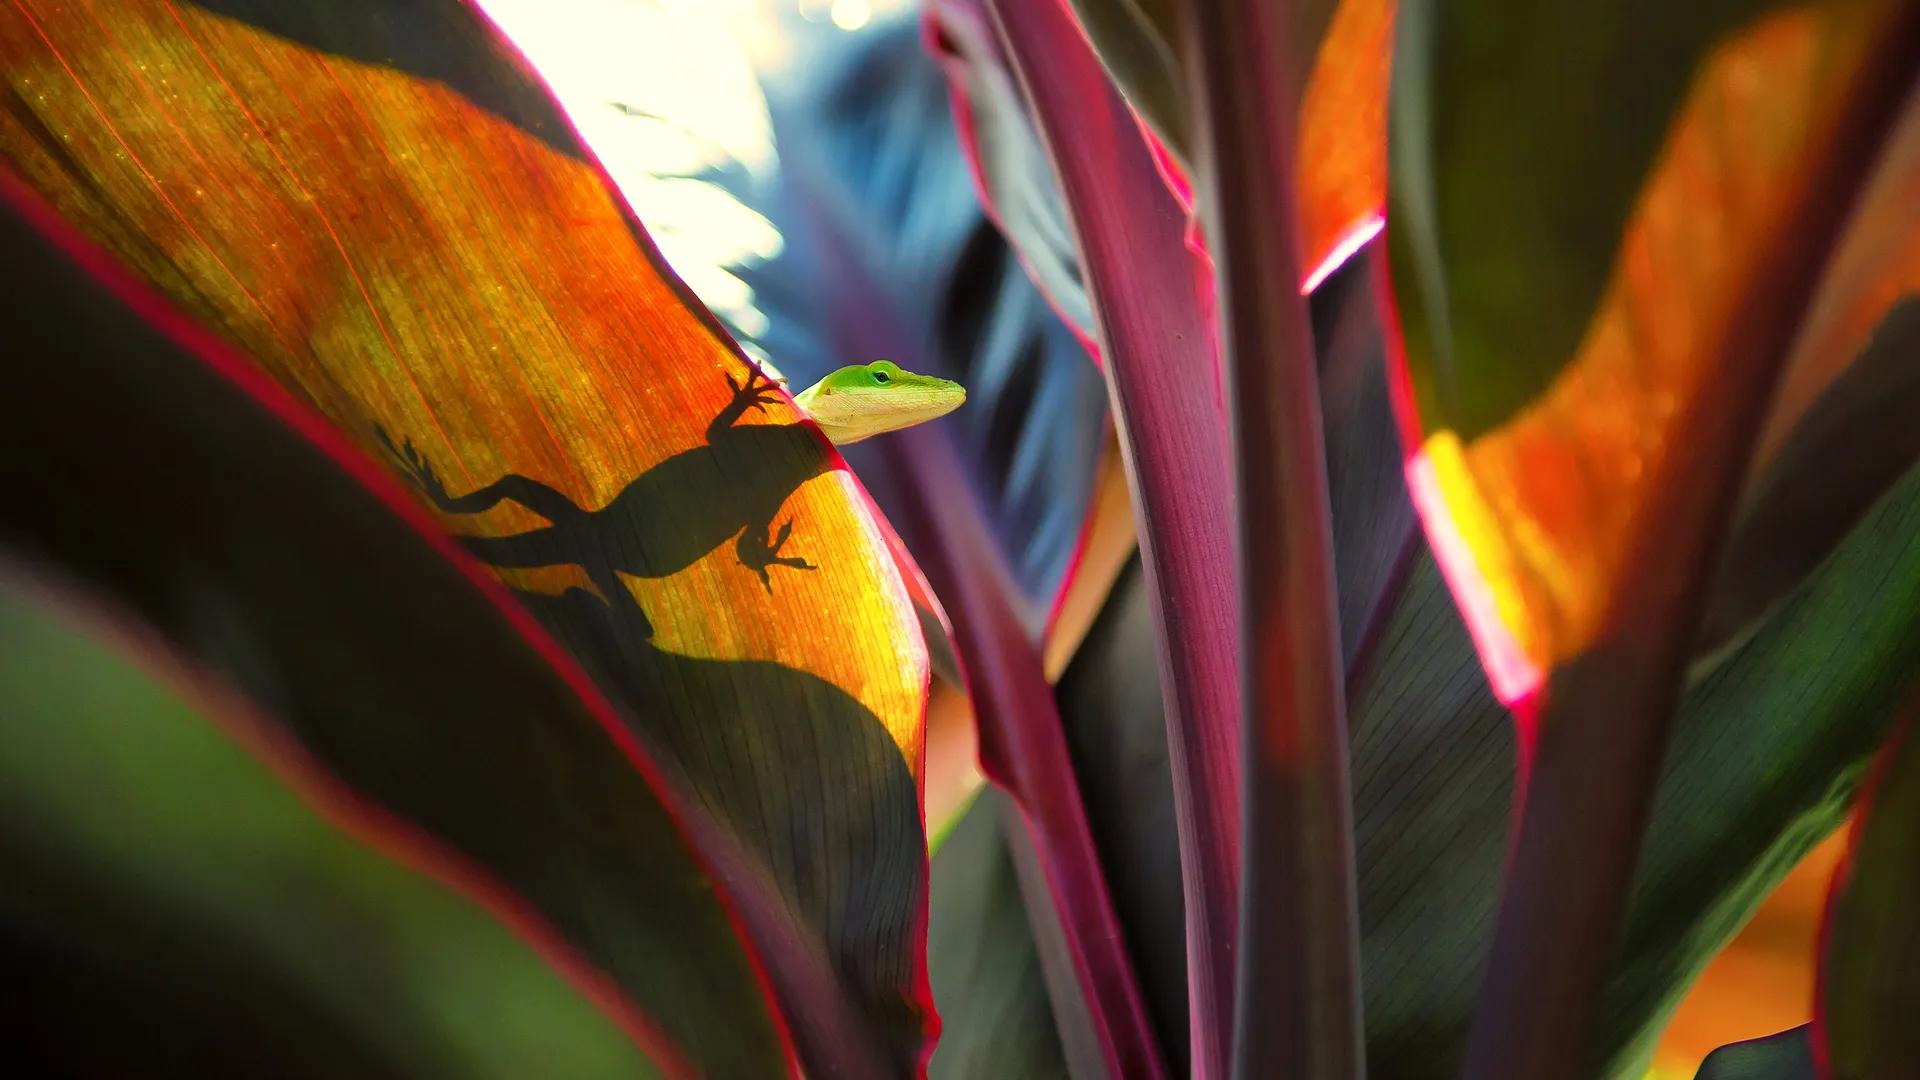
400, 257
1533, 521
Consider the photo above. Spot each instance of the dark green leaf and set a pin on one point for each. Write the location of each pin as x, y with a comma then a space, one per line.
1110, 706
986, 972
1869, 997
171, 905
1849, 447
1139, 45
1787, 1055
1375, 532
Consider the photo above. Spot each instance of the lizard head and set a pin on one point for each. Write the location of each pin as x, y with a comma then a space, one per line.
863, 400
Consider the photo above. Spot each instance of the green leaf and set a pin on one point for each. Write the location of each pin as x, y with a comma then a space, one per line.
183, 896
1787, 1055
1845, 451
986, 970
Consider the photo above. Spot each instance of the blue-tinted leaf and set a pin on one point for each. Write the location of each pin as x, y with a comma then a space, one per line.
887, 253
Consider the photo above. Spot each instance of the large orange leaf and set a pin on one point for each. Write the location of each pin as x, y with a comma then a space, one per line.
380, 206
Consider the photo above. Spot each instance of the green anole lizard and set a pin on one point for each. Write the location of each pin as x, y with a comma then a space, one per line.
716, 498
863, 400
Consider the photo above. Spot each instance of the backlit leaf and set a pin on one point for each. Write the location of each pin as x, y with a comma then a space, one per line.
381, 208
1571, 266
166, 473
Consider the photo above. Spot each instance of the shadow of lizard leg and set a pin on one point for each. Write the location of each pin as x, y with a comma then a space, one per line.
522, 551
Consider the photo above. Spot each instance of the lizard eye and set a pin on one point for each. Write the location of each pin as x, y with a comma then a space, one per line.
880, 377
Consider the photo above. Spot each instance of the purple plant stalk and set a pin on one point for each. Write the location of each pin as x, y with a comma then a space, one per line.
1023, 748
927, 495
1162, 382
1298, 986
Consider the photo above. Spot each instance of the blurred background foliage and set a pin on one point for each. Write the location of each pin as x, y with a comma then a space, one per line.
774, 145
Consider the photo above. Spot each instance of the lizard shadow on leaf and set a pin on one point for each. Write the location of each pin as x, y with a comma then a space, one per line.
803, 773
800, 770
665, 519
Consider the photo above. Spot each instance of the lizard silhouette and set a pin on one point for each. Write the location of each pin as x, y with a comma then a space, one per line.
664, 519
